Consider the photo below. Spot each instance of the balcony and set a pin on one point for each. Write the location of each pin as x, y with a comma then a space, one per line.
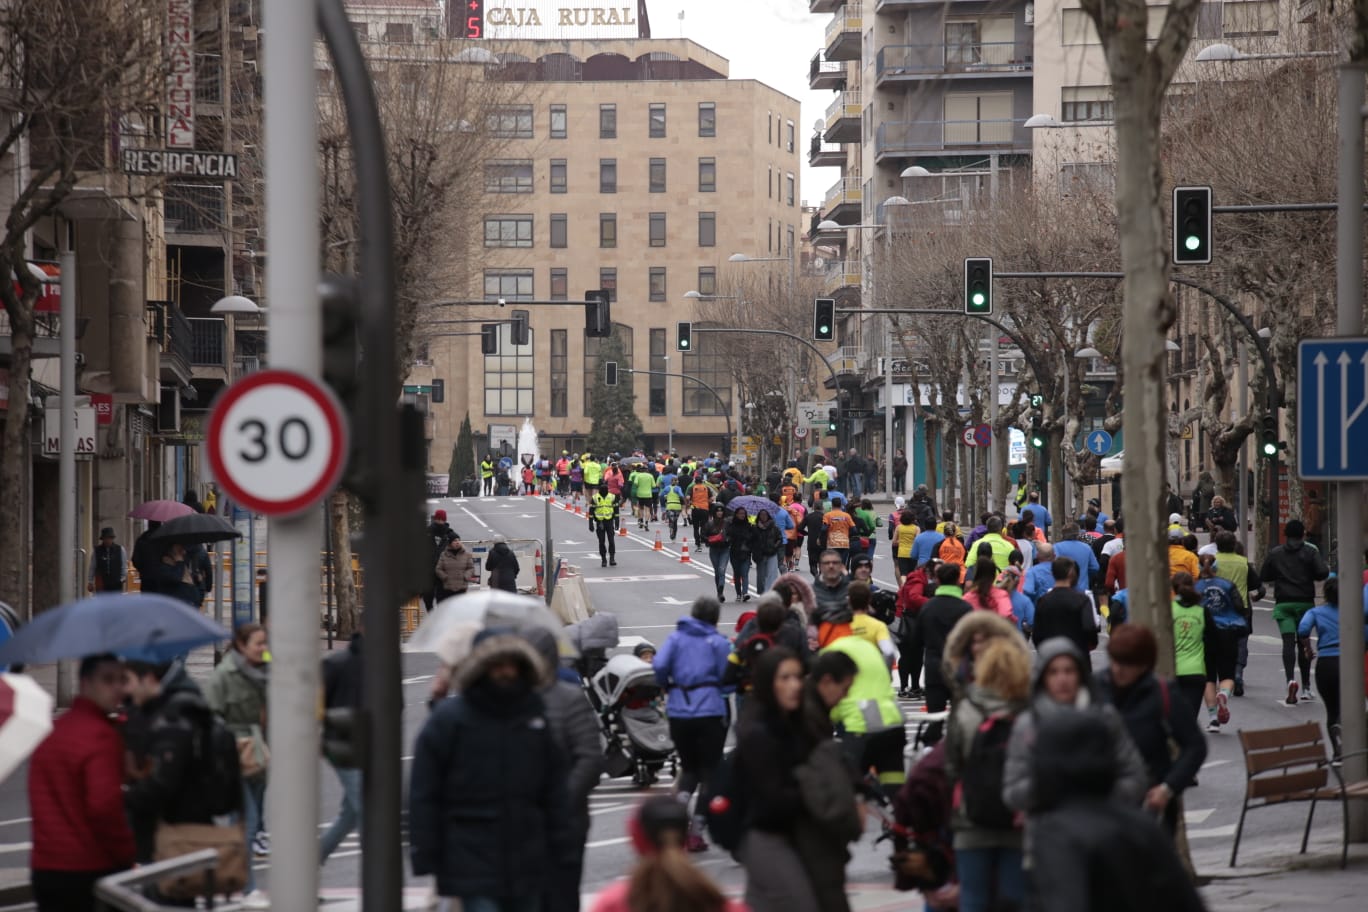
914, 62
843, 199
844, 274
168, 326
847, 361
47, 329
925, 137
824, 154
843, 33
208, 342
824, 6
826, 74
843, 118
195, 209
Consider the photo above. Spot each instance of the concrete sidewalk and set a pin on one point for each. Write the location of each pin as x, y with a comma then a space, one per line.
1273, 877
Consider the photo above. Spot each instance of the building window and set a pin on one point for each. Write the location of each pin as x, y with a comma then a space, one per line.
1096, 179
560, 284
657, 283
607, 229
657, 229
559, 229
769, 126
707, 175
509, 175
607, 175
559, 122
713, 369
657, 127
769, 183
510, 121
657, 175
399, 32
1244, 20
790, 240
1079, 103
789, 134
608, 281
790, 189
560, 371
593, 372
707, 281
508, 376
659, 363
509, 284
508, 231
707, 229
362, 30
558, 178
607, 121
707, 118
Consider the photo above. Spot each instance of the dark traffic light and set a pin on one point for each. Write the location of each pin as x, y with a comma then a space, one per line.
978, 285
1191, 225
610, 373
522, 331
489, 338
1268, 437
598, 319
341, 304
833, 422
824, 320
684, 341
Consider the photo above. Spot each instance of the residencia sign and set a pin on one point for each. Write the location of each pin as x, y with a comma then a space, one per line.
175, 163
559, 20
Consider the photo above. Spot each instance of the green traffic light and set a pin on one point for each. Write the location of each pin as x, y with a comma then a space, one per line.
1270, 448
684, 343
1192, 242
824, 329
978, 298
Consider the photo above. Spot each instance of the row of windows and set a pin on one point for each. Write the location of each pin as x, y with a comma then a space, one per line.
517, 175
517, 121
509, 376
788, 131
789, 189
513, 284
517, 230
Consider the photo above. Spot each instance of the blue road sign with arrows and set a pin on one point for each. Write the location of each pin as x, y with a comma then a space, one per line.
1099, 442
1332, 396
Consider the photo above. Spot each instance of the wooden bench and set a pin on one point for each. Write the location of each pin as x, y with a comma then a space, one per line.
1289, 764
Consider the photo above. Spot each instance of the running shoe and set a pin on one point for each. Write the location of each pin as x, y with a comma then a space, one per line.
1291, 693
1222, 708
1213, 725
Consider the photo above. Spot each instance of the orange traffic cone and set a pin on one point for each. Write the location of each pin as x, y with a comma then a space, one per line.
684, 554
550, 498
622, 531
659, 545
578, 511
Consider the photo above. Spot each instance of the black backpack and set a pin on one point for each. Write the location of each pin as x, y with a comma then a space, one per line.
215, 755
980, 788
726, 805
884, 605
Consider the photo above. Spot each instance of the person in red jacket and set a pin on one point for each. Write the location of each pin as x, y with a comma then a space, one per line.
80, 831
911, 596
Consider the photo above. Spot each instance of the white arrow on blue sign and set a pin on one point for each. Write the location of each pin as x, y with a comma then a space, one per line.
1099, 443
1332, 395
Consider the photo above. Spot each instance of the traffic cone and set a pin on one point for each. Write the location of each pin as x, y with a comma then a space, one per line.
684, 554
659, 545
551, 498
622, 531
578, 511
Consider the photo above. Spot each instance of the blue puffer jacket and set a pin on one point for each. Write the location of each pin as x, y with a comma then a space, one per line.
691, 664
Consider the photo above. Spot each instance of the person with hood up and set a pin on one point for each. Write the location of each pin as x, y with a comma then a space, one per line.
489, 813
1092, 850
455, 570
575, 729
987, 841
1294, 568
691, 666
1061, 684
1157, 718
502, 565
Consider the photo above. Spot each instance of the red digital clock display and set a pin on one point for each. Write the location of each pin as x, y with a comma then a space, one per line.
474, 18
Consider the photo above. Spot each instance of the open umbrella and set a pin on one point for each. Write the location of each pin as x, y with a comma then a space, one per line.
486, 607
633, 461
753, 504
160, 510
195, 529
25, 720
142, 626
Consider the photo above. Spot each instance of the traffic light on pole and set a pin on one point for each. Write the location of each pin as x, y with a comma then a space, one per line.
684, 341
610, 373
1191, 225
522, 331
1268, 437
824, 320
1037, 436
489, 338
978, 285
833, 421
598, 318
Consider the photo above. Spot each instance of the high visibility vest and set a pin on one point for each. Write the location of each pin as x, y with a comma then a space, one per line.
593, 473
674, 498
486, 469
700, 496
605, 505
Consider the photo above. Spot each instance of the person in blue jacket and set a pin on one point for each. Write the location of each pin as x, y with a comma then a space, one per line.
1324, 619
690, 666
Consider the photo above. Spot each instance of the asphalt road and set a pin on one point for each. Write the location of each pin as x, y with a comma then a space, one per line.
649, 590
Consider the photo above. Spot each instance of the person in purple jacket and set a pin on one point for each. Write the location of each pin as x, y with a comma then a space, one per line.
690, 666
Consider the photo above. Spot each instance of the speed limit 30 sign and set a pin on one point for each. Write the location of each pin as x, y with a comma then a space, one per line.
277, 442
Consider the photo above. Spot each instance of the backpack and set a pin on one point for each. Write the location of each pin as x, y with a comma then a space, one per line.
884, 605
214, 753
756, 645
979, 791
726, 804
1220, 608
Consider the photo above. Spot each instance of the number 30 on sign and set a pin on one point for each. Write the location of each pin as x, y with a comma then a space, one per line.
277, 442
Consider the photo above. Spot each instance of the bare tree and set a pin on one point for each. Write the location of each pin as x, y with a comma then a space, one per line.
72, 74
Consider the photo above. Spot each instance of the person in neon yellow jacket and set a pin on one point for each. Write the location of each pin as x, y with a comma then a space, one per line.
868, 720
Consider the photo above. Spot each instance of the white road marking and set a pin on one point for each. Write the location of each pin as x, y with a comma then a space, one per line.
1211, 763
621, 840
474, 517
608, 809
1212, 833
1192, 818
18, 820
641, 579
8, 848
418, 680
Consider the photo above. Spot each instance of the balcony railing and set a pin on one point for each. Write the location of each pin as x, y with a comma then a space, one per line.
823, 6
825, 74
847, 359
171, 329
821, 154
917, 137
982, 58
208, 342
194, 208
844, 274
846, 191
209, 78
845, 104
846, 19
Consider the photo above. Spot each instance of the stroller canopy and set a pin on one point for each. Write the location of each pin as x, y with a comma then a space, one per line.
622, 673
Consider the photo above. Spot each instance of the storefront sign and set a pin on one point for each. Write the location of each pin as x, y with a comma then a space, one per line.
180, 74
552, 19
85, 432
103, 404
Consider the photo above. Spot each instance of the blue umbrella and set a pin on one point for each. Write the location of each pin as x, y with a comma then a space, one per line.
149, 628
753, 505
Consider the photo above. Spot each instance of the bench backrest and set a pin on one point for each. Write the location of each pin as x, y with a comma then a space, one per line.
1284, 761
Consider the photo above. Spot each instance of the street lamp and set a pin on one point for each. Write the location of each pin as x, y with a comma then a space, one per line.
236, 304
1049, 122
1224, 52
694, 295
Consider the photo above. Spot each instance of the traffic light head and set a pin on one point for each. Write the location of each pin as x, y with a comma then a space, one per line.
684, 339
489, 338
824, 320
610, 373
833, 423
978, 285
1037, 435
522, 330
1191, 225
598, 318
1268, 437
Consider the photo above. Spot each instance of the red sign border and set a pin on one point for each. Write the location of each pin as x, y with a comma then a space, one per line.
323, 397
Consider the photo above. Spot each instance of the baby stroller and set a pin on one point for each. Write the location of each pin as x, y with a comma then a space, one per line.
630, 708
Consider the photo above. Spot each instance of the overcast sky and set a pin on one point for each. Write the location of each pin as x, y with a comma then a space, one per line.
769, 40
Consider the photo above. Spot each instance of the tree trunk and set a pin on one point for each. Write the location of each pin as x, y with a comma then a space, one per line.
13, 457
344, 591
930, 434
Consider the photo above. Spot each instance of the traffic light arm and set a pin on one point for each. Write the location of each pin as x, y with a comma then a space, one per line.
720, 401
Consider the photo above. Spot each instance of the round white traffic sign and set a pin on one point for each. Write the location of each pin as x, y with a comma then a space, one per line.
277, 442
800, 432
968, 437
